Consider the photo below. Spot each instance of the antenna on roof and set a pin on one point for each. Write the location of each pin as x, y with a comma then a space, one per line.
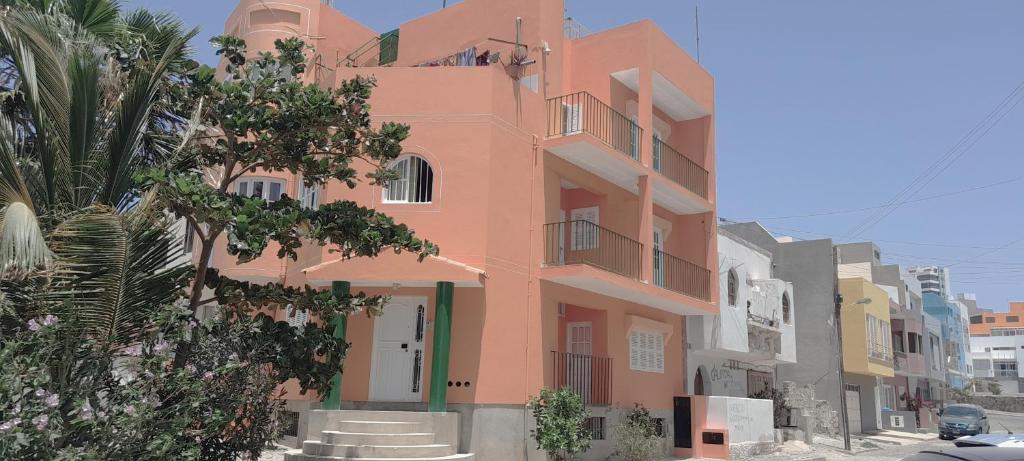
696, 22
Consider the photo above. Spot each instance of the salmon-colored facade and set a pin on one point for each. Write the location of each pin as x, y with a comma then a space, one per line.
571, 189
984, 321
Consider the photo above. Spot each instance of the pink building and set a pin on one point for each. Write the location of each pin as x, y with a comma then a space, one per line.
570, 184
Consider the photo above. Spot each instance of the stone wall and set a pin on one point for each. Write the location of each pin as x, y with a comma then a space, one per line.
1010, 403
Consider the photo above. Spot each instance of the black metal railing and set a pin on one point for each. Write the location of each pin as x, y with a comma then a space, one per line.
583, 113
681, 276
588, 376
679, 168
583, 242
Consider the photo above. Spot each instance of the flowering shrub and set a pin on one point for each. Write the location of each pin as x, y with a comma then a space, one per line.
638, 437
68, 397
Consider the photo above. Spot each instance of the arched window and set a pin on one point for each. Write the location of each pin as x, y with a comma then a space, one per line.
415, 183
698, 382
732, 287
785, 308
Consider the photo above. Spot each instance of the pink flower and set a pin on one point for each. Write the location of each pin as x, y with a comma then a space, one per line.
52, 400
129, 410
40, 392
86, 411
32, 325
208, 375
41, 421
49, 320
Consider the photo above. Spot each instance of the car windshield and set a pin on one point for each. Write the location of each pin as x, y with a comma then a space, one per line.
960, 411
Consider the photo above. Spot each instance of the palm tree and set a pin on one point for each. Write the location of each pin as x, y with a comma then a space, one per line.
85, 110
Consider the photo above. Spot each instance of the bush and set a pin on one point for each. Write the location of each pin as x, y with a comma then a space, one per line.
65, 396
560, 418
779, 409
638, 436
994, 388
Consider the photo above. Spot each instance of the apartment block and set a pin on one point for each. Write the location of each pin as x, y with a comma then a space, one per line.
956, 343
568, 178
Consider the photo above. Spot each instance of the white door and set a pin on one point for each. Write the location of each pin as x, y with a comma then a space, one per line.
853, 411
634, 138
397, 367
572, 118
659, 259
585, 236
579, 342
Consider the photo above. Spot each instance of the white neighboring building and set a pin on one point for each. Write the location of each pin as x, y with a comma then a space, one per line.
934, 279
735, 353
1000, 358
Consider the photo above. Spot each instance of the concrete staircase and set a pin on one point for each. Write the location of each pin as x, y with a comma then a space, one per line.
354, 435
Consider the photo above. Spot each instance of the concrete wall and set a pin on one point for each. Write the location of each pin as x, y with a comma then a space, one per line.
909, 421
748, 420
719, 379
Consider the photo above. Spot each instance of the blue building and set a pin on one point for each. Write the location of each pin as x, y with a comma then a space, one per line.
956, 339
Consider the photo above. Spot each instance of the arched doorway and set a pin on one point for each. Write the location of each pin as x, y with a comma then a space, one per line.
698, 382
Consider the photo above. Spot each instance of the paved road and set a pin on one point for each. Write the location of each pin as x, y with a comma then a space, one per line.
1001, 422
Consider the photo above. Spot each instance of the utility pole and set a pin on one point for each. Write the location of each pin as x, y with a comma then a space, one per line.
838, 299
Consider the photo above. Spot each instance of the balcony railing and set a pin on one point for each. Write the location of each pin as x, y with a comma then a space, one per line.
583, 242
588, 376
679, 168
1006, 373
583, 113
574, 29
681, 276
762, 321
880, 353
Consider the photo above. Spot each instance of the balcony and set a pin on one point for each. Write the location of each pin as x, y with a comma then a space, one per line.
584, 255
588, 376
880, 354
680, 170
583, 242
681, 276
1006, 374
588, 133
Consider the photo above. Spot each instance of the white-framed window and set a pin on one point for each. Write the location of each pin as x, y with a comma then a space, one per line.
309, 196
299, 320
647, 351
415, 183
269, 189
888, 397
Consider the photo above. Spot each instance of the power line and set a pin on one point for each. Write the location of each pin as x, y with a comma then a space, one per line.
922, 199
951, 156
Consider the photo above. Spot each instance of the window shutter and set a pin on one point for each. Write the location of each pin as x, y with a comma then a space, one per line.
634, 351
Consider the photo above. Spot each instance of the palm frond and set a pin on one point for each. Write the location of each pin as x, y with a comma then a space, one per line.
116, 269
84, 74
130, 124
98, 17
22, 246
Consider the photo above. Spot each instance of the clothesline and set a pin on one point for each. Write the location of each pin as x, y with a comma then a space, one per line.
467, 57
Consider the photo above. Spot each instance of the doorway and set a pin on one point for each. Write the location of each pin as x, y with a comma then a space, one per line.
397, 362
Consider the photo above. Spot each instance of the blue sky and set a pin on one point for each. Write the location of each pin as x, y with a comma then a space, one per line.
827, 107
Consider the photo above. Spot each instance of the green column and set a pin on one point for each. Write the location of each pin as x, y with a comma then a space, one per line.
442, 347
333, 399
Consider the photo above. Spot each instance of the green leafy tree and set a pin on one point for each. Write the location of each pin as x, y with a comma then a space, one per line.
262, 116
560, 419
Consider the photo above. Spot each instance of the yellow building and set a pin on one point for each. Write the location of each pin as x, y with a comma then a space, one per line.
867, 337
867, 352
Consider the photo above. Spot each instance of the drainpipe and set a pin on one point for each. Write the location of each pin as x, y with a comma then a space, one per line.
838, 298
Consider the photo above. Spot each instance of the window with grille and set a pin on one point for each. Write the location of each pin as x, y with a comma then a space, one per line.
268, 189
299, 320
595, 425
415, 183
647, 351
733, 287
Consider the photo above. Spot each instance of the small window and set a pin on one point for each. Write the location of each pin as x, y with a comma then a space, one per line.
415, 183
268, 189
785, 308
647, 351
990, 320
595, 425
1012, 318
309, 196
976, 319
299, 320
733, 287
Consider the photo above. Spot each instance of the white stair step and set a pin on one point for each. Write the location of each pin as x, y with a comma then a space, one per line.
368, 438
432, 450
297, 455
393, 416
382, 427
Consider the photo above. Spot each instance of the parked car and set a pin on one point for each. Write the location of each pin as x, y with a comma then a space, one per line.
970, 454
962, 419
